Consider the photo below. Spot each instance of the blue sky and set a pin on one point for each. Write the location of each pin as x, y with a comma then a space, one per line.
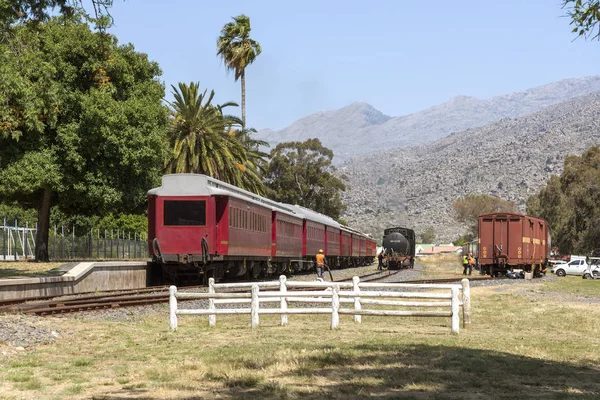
399, 56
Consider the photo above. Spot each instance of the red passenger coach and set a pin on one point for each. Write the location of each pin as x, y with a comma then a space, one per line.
199, 226
345, 246
510, 241
287, 235
332, 244
371, 248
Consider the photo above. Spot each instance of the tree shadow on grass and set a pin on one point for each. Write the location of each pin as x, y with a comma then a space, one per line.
15, 273
413, 372
436, 372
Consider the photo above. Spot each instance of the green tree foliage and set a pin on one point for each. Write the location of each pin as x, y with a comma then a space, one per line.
12, 212
571, 204
468, 209
20, 11
301, 173
204, 140
82, 124
584, 15
428, 235
238, 50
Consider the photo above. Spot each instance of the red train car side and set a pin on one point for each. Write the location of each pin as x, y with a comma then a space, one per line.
510, 241
198, 225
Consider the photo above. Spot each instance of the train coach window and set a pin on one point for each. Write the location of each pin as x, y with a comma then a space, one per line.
184, 213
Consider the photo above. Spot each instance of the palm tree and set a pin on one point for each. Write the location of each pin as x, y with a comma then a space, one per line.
256, 159
201, 141
238, 51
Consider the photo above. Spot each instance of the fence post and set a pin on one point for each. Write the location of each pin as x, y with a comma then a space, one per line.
26, 241
4, 239
335, 307
283, 289
73, 244
254, 307
466, 300
173, 308
455, 317
212, 318
55, 236
357, 305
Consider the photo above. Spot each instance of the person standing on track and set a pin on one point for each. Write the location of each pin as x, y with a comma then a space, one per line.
465, 261
321, 263
380, 258
471, 263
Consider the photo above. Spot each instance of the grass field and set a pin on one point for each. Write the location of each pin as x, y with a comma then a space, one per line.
528, 340
28, 268
441, 266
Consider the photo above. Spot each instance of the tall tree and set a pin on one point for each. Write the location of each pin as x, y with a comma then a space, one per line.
204, 140
302, 173
82, 124
468, 209
585, 17
570, 204
238, 50
13, 11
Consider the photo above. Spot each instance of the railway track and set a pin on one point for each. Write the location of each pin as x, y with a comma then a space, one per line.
158, 294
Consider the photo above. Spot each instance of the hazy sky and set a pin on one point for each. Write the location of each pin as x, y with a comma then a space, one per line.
399, 56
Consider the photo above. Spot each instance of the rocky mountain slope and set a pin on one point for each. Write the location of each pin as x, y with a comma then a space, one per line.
361, 129
512, 159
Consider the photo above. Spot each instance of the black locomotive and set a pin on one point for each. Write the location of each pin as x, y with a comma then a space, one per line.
399, 247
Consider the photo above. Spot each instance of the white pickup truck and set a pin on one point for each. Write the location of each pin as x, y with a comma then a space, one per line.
577, 266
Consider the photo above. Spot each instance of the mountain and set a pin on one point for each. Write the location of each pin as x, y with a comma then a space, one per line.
512, 158
360, 129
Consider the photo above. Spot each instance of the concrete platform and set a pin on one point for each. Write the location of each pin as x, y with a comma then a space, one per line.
82, 277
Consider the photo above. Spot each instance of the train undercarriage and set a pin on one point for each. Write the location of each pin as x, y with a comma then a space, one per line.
501, 268
190, 269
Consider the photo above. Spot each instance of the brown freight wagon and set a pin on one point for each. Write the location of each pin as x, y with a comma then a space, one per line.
510, 241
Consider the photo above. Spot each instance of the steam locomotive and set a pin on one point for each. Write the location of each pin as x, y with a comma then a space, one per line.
399, 247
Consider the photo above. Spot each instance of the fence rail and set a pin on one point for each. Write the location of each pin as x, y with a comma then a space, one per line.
332, 294
18, 243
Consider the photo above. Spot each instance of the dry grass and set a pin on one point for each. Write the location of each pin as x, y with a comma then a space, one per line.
28, 268
441, 266
520, 346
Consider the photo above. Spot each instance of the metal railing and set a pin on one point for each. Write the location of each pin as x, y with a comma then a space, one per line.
360, 294
18, 243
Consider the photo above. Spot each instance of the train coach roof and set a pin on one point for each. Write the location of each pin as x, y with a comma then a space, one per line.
313, 215
508, 214
353, 231
202, 185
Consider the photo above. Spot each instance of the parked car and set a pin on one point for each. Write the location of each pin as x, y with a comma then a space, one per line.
553, 263
575, 267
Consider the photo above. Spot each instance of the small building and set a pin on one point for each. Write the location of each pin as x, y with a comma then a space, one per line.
432, 249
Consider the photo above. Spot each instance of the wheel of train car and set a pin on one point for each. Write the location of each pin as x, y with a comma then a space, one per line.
254, 269
281, 268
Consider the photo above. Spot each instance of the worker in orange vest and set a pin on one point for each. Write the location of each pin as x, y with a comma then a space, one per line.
321, 263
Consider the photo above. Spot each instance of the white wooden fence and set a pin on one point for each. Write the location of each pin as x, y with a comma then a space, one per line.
333, 295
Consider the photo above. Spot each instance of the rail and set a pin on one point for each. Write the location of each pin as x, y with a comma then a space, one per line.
333, 294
